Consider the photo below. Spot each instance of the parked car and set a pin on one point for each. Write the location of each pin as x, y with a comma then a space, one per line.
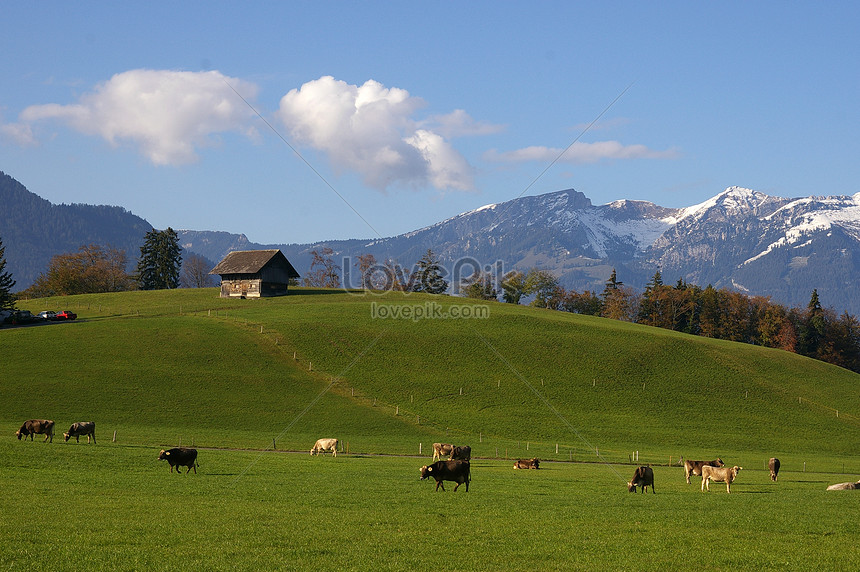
65, 315
48, 315
18, 317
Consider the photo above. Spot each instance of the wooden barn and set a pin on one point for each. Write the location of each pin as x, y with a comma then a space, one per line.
254, 274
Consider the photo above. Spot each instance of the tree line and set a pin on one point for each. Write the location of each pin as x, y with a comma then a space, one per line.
427, 276
95, 268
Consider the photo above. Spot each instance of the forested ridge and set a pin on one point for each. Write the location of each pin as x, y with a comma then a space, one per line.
59, 228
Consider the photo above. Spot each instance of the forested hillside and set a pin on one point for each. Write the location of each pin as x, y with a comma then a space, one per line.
33, 230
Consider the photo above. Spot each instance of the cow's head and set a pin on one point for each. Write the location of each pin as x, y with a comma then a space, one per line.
18, 433
66, 436
163, 455
425, 472
720, 462
631, 487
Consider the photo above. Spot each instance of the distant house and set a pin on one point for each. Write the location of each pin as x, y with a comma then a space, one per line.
254, 274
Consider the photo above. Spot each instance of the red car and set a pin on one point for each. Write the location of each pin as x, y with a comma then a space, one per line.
65, 315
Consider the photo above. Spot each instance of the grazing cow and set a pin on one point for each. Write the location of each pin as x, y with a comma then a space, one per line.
34, 426
527, 464
773, 465
180, 457
456, 471
642, 477
719, 475
695, 467
461, 453
844, 487
77, 430
323, 445
440, 449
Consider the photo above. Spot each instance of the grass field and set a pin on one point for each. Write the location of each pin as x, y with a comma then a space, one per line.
78, 507
249, 381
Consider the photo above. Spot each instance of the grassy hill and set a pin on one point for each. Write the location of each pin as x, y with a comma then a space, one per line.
158, 367
185, 367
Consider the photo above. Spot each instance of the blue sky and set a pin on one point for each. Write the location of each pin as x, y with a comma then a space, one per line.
300, 122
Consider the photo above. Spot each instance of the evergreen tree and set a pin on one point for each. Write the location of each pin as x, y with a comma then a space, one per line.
814, 327
7, 301
428, 276
160, 260
612, 284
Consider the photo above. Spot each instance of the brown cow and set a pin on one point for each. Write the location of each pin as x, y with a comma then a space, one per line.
440, 449
456, 471
180, 457
719, 475
81, 428
773, 465
695, 467
527, 464
461, 453
642, 477
34, 426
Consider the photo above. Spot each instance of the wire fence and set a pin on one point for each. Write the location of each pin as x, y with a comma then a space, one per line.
484, 444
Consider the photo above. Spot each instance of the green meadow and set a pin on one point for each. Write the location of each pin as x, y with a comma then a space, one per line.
253, 383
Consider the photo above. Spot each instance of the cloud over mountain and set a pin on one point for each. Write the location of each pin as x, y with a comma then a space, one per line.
166, 114
372, 130
580, 153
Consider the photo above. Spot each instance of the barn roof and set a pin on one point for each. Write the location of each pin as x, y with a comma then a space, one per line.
253, 261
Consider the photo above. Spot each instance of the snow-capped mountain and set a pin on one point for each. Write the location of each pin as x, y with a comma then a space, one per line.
740, 238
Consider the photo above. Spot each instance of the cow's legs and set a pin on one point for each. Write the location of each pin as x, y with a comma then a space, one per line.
438, 484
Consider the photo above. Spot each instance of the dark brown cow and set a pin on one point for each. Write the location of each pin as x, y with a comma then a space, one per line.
695, 467
440, 449
456, 471
461, 453
642, 477
34, 426
527, 464
773, 465
77, 430
180, 457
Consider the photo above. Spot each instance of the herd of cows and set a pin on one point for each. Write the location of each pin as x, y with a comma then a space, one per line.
46, 427
456, 468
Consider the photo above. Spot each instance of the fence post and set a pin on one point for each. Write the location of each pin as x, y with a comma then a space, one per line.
114, 436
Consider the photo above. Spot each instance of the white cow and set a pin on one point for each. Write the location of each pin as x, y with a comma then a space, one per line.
323, 445
844, 487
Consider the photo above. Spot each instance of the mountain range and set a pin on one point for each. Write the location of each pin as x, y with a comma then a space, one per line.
740, 239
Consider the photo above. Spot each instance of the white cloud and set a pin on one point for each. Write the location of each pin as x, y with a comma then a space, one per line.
458, 123
19, 133
168, 115
581, 153
370, 129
